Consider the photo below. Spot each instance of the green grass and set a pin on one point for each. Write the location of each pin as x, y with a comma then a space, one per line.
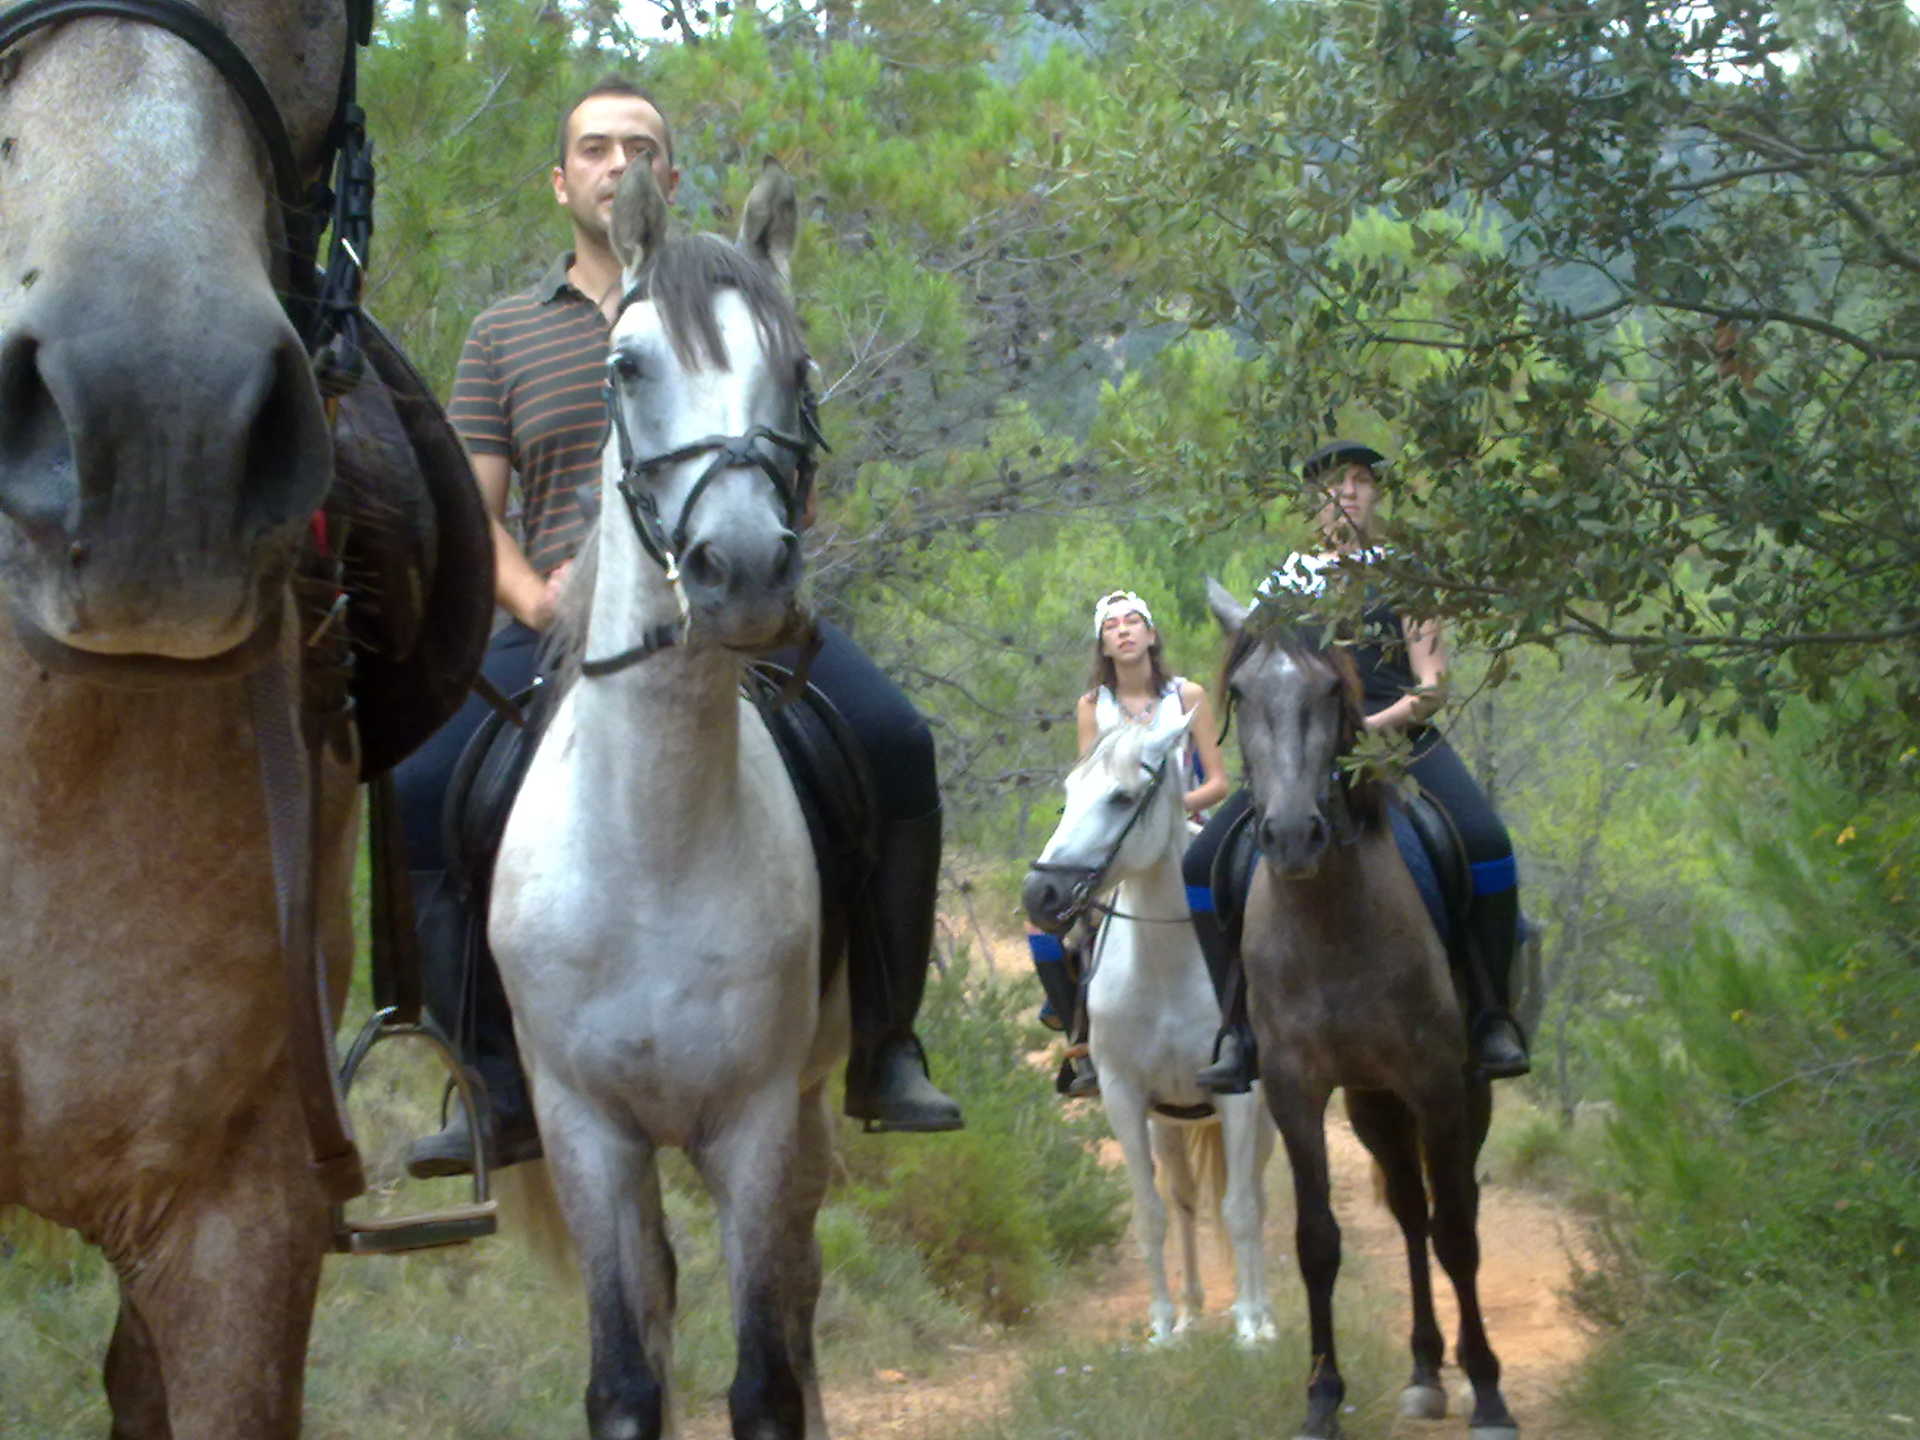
1204, 1385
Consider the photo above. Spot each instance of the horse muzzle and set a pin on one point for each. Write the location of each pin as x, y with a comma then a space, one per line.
1293, 846
1054, 896
155, 483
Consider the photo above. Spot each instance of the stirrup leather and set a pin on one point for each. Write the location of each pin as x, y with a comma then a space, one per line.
453, 1224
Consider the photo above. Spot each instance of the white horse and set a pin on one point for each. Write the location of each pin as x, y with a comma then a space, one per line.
1152, 1014
656, 912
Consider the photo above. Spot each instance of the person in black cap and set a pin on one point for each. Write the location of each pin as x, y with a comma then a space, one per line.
1403, 668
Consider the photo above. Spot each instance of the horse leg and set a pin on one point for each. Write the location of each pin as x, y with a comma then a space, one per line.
1451, 1150
1127, 1114
1386, 1127
1301, 1117
608, 1184
1181, 1189
1248, 1136
768, 1193
812, 1174
217, 1304
136, 1390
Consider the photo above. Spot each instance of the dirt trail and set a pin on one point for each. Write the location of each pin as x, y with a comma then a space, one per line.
1528, 1242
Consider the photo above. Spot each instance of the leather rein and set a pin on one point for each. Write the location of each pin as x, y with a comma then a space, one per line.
324, 309
729, 452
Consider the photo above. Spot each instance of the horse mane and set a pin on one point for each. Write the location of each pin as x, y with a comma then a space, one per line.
681, 279
1366, 795
564, 646
1112, 751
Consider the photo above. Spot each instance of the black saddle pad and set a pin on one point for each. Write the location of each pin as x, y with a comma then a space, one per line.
829, 773
823, 759
406, 521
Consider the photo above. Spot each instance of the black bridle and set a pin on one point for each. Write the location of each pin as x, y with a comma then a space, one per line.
324, 308
1087, 879
729, 452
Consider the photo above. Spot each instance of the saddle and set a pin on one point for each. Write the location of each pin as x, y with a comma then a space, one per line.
410, 542
1428, 843
822, 757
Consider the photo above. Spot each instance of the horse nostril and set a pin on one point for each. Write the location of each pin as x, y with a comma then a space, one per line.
786, 564
705, 567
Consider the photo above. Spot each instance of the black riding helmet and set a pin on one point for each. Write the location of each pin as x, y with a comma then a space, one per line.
1339, 453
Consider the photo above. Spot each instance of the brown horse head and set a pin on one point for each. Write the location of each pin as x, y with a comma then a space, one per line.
162, 442
1298, 706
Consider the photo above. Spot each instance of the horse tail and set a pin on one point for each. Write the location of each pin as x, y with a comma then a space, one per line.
530, 1205
1207, 1159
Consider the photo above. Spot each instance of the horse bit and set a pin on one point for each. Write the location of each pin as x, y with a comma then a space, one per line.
729, 452
1088, 877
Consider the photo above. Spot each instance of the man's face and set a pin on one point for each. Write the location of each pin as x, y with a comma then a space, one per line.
605, 134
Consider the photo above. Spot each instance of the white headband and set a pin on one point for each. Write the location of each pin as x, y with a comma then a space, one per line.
1119, 602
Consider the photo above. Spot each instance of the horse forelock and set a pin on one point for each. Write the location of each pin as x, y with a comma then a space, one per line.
1117, 754
681, 280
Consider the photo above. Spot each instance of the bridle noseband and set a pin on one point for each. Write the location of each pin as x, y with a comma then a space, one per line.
1086, 879
324, 309
729, 452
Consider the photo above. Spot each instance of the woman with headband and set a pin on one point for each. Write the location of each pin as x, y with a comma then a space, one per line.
1130, 685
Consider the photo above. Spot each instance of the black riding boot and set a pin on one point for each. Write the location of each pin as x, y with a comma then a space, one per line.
889, 942
1498, 1048
1236, 1063
464, 994
1082, 1079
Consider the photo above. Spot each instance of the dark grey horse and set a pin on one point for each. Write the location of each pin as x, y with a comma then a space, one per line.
1348, 986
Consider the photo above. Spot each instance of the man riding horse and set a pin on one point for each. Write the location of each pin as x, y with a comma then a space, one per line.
529, 400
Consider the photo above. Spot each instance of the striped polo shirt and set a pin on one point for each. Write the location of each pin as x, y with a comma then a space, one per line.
531, 386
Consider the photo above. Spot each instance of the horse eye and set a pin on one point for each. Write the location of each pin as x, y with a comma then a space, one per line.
626, 366
1120, 798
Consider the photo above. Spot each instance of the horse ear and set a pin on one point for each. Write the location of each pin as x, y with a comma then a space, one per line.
772, 219
1231, 614
639, 220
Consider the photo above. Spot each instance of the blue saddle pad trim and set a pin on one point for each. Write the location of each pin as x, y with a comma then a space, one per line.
1425, 878
1200, 899
1495, 877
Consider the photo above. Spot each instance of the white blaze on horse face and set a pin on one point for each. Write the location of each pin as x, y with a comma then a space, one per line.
738, 519
1289, 729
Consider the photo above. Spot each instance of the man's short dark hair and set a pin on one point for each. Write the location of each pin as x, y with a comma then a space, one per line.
609, 85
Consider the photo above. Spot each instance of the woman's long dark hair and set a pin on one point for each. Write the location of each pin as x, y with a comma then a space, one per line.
1104, 674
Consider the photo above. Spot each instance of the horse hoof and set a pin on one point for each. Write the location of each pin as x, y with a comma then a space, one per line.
1251, 1334
1423, 1402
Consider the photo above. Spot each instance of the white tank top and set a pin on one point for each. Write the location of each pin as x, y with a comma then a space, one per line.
1107, 712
